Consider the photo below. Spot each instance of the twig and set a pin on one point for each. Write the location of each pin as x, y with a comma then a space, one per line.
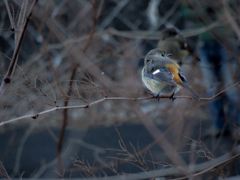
75, 66
230, 19
20, 23
191, 158
200, 168
3, 172
10, 15
20, 148
212, 167
64, 123
131, 35
8, 77
208, 99
144, 150
168, 149
104, 99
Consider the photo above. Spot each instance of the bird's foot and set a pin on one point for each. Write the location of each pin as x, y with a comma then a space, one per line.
172, 97
157, 97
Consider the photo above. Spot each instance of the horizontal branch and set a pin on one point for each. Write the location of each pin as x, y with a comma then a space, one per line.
132, 35
198, 169
34, 116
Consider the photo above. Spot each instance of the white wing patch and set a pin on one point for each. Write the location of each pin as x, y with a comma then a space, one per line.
157, 71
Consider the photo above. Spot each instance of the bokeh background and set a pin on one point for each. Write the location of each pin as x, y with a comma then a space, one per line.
77, 52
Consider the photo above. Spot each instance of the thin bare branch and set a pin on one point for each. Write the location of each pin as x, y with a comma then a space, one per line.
10, 15
8, 77
104, 99
230, 19
75, 67
163, 144
199, 168
20, 23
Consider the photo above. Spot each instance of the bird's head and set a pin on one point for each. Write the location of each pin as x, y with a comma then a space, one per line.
167, 33
155, 54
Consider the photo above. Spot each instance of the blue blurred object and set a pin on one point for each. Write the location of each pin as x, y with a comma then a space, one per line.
225, 110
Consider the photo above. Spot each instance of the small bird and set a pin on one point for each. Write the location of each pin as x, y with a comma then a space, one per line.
162, 75
175, 43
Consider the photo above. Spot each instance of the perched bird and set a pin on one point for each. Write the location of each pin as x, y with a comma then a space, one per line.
175, 43
162, 75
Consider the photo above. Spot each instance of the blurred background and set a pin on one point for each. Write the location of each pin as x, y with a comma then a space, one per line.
77, 52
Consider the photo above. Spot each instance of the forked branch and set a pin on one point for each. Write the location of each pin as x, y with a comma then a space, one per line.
8, 77
107, 98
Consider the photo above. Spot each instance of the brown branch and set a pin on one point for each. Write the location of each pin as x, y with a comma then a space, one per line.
168, 149
95, 21
65, 112
155, 35
3, 172
212, 167
131, 35
8, 77
20, 23
210, 67
208, 99
108, 98
230, 19
10, 15
198, 169
64, 123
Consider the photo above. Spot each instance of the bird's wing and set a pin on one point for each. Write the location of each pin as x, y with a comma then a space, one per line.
182, 76
161, 75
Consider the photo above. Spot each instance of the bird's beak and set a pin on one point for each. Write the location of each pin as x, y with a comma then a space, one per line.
169, 54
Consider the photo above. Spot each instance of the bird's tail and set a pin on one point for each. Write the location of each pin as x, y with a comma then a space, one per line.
193, 94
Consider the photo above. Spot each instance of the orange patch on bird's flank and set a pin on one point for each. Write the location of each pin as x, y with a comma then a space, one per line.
173, 68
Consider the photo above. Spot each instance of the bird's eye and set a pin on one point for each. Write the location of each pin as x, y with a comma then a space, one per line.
162, 55
148, 60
